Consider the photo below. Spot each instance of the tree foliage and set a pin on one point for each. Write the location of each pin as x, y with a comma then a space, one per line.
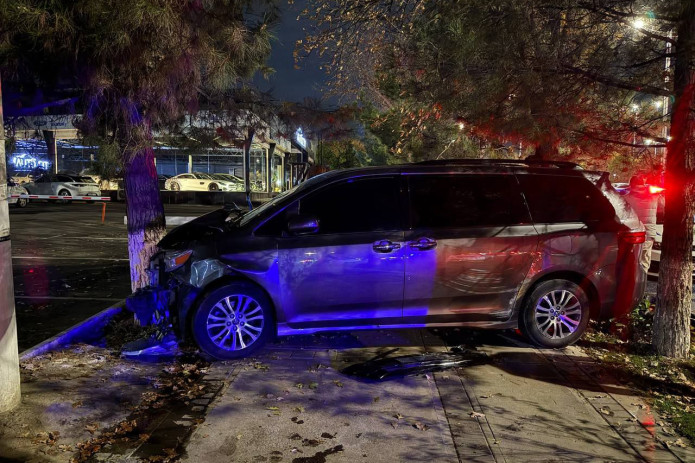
538, 72
139, 66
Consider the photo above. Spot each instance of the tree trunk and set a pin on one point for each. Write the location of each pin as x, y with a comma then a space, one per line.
547, 149
144, 209
672, 319
9, 355
247, 165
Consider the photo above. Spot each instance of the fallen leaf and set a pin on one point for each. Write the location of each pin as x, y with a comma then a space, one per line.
337, 383
398, 416
313, 385
91, 428
476, 415
421, 426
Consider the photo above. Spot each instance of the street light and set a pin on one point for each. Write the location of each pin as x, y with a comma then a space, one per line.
638, 23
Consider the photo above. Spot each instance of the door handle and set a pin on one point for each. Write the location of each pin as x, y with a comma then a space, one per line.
385, 246
423, 244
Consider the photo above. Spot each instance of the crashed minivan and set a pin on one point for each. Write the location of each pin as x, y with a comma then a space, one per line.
539, 246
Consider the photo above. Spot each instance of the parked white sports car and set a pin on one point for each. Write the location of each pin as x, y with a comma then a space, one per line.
199, 181
63, 185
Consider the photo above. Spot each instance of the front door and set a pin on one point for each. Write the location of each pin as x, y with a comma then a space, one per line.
350, 272
469, 249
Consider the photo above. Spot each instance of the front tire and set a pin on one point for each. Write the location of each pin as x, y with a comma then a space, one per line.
213, 187
64, 193
233, 321
556, 314
175, 186
22, 202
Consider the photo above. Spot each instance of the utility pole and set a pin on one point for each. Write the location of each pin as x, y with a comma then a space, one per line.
9, 354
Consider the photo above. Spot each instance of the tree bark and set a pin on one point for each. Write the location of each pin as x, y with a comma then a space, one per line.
9, 354
672, 319
144, 209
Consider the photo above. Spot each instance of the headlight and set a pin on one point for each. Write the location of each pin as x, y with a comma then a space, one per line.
175, 259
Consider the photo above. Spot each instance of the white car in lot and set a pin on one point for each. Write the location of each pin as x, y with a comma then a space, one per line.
15, 189
199, 181
656, 252
63, 185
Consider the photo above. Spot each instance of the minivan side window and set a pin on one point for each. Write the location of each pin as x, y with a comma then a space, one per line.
355, 205
460, 200
564, 199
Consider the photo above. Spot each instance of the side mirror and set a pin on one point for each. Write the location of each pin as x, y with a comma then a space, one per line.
303, 225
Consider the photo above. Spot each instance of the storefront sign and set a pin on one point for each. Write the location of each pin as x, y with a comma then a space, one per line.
26, 162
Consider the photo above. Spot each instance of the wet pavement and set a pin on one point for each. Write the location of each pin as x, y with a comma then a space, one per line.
67, 265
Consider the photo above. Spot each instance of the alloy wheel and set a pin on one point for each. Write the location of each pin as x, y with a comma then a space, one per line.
235, 322
558, 314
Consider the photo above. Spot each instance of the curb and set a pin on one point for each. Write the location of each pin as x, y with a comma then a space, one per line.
85, 330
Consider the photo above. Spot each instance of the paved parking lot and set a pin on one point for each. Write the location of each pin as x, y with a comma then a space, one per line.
67, 265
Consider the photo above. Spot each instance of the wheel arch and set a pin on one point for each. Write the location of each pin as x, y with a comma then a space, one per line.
570, 275
187, 318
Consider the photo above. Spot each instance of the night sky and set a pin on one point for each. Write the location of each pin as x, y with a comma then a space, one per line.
289, 84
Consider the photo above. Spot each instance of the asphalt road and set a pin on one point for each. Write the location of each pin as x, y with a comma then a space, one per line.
68, 265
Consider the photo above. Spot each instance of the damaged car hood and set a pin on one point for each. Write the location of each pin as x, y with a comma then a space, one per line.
200, 229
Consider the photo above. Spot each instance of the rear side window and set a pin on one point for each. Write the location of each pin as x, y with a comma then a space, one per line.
456, 201
560, 199
355, 205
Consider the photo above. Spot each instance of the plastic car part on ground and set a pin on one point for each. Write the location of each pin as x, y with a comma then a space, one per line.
382, 367
152, 348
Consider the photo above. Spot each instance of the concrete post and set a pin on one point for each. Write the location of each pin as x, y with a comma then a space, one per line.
9, 354
269, 171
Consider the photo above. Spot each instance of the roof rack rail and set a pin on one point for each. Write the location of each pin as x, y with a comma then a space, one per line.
508, 162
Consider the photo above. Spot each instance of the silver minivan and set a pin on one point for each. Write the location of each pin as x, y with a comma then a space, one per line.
538, 246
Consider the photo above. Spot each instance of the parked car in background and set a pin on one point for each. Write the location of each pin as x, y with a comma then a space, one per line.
15, 189
162, 180
21, 179
198, 181
539, 246
237, 183
656, 252
63, 185
622, 188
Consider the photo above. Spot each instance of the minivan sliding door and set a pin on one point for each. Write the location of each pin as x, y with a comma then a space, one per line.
469, 248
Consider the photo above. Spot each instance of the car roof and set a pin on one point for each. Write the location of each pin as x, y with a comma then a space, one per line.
468, 165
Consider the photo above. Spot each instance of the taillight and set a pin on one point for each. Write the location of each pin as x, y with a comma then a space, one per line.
655, 190
633, 237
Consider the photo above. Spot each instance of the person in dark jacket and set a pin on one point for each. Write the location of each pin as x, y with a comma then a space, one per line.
645, 204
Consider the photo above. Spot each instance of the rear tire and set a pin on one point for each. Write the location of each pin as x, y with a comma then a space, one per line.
22, 202
233, 321
556, 314
213, 187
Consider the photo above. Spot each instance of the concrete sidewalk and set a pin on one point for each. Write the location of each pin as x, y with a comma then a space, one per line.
292, 403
